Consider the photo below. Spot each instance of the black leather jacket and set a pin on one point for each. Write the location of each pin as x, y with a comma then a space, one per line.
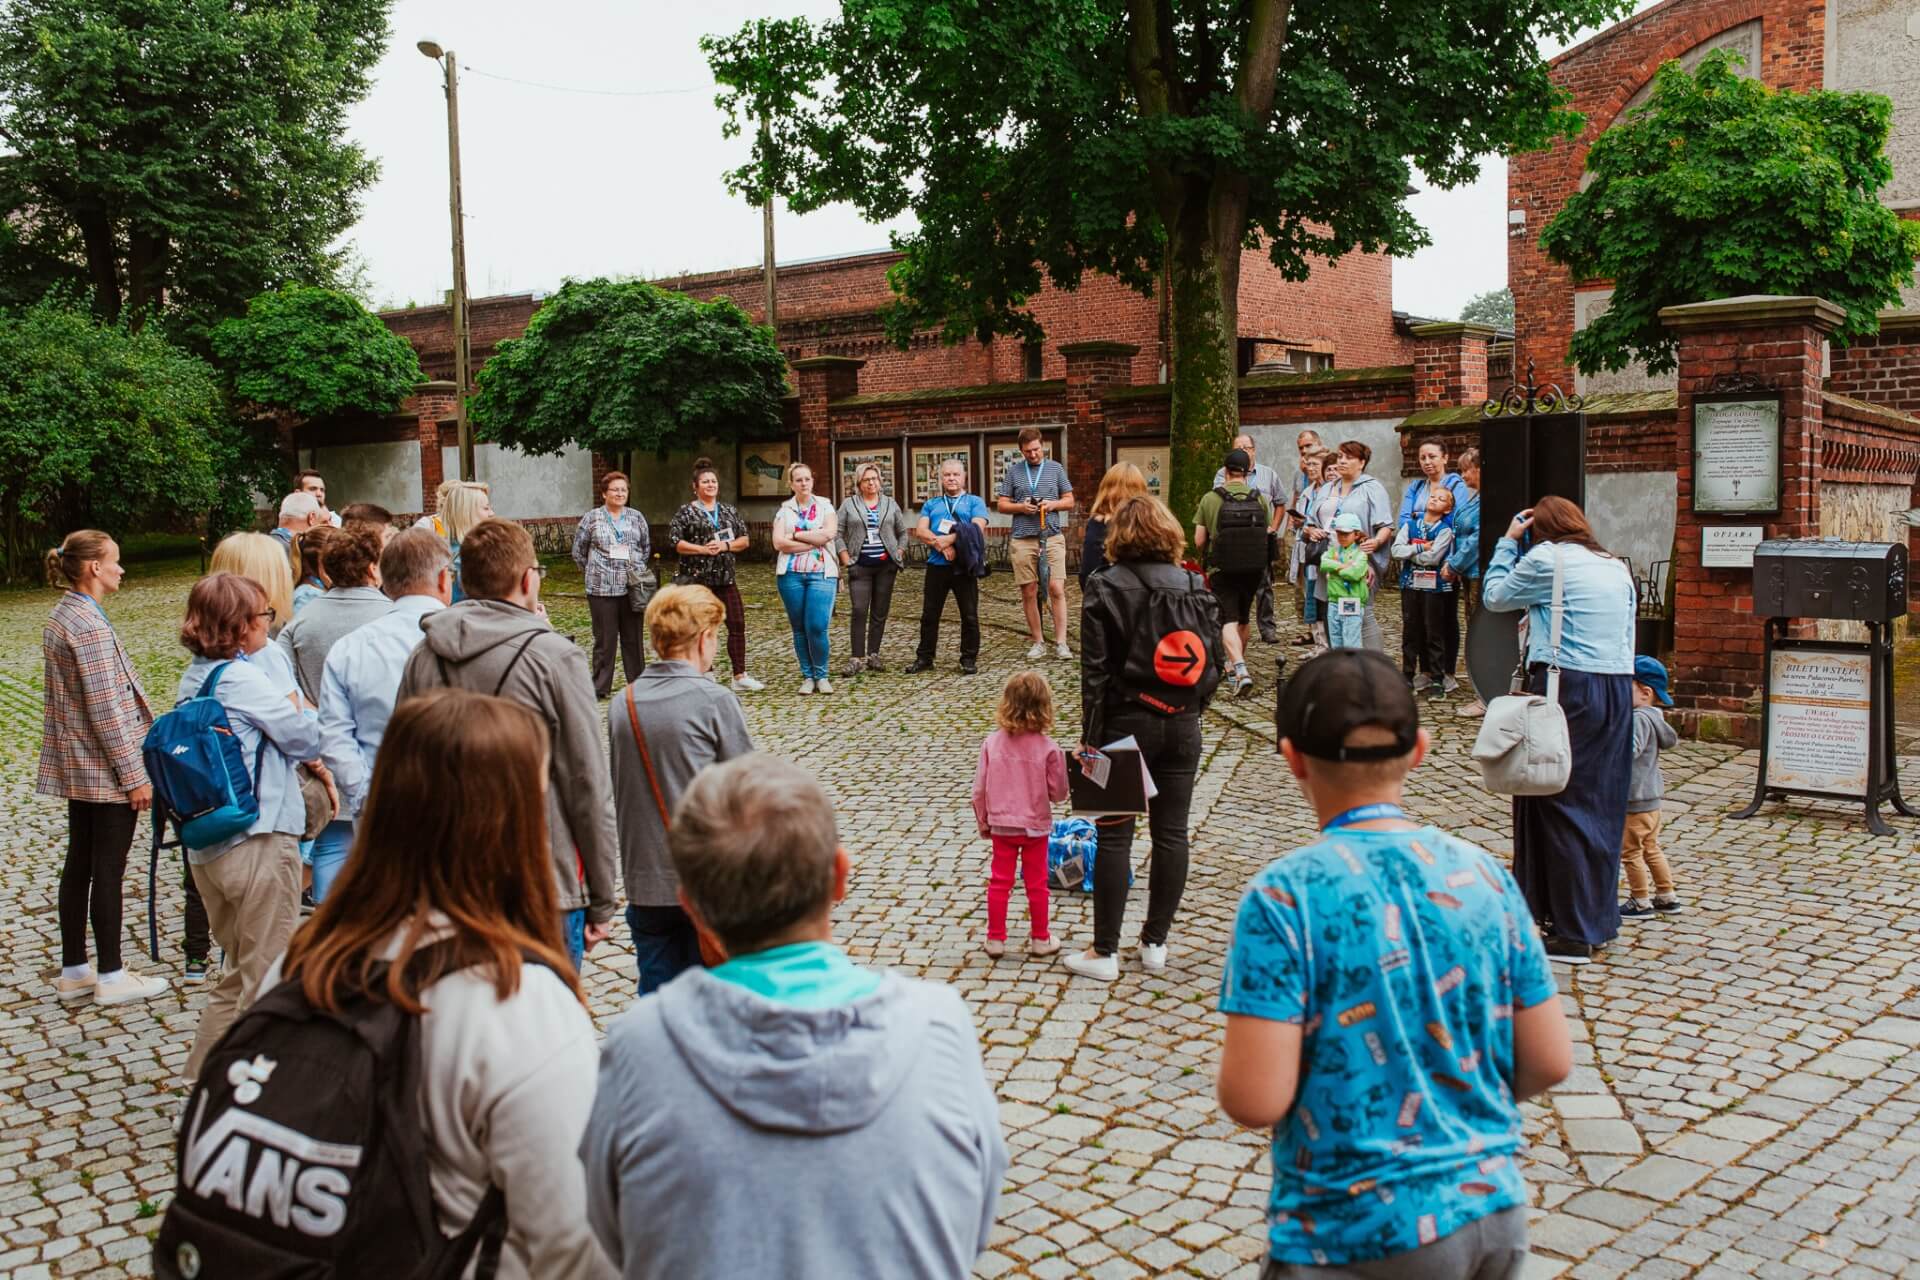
1112, 621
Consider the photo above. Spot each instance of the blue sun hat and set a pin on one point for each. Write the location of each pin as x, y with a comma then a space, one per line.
1348, 522
1650, 672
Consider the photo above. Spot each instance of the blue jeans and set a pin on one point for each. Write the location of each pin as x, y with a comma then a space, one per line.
1344, 631
809, 601
1312, 603
664, 945
573, 928
330, 850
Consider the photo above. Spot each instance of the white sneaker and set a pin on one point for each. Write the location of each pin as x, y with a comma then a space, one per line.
748, 683
1450, 684
1061, 651
72, 989
1421, 681
1038, 651
1153, 959
127, 988
1090, 964
823, 685
806, 686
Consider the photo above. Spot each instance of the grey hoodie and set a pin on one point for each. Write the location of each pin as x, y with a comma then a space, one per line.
1646, 788
490, 646
735, 1136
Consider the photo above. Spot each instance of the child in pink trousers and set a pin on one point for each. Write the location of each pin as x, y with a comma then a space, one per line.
1022, 773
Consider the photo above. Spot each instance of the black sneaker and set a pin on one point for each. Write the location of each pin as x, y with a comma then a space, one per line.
918, 665
307, 904
196, 970
1631, 910
968, 669
1668, 905
1567, 951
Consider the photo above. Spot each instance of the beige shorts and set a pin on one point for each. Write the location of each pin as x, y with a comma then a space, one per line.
1026, 559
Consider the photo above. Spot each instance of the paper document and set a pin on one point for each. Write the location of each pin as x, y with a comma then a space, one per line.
1097, 767
1130, 743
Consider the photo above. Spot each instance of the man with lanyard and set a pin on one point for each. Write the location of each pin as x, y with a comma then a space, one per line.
1266, 482
940, 519
1413, 506
1033, 489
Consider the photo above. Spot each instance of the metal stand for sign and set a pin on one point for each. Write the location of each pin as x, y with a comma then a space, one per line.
1883, 769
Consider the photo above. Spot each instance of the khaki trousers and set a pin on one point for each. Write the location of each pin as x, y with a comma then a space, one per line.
1640, 854
252, 894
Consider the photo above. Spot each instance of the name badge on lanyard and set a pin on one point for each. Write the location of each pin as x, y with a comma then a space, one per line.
619, 550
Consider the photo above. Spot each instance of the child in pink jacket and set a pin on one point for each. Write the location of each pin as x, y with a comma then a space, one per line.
1021, 774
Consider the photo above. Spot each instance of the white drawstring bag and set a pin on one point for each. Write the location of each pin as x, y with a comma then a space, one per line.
1523, 747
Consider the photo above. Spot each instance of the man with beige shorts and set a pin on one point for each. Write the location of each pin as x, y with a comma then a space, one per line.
1033, 488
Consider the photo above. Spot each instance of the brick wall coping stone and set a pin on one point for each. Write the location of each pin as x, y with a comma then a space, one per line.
984, 391
1754, 309
1453, 329
1381, 374
1879, 415
1098, 348
1899, 321
434, 386
1612, 404
828, 362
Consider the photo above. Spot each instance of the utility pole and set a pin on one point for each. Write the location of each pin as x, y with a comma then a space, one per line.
461, 350
766, 236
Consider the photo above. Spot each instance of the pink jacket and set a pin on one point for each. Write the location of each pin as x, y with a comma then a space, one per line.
1019, 778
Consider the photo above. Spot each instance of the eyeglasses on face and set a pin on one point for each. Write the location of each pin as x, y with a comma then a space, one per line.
269, 613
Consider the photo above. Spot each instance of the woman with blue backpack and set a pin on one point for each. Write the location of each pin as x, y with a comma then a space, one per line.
244, 853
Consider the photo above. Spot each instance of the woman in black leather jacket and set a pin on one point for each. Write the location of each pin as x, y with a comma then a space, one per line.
1150, 657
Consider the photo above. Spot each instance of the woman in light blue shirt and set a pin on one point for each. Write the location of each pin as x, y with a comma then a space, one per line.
1566, 847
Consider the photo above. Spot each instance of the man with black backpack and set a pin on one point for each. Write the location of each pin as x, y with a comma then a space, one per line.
1231, 531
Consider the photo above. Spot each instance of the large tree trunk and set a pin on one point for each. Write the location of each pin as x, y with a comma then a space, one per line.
146, 274
1203, 286
103, 263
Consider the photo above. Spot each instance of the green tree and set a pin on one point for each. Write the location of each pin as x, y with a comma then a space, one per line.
177, 157
1720, 186
626, 366
314, 352
1038, 140
1494, 307
106, 427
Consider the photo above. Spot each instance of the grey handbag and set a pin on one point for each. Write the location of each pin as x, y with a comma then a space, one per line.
1523, 747
641, 584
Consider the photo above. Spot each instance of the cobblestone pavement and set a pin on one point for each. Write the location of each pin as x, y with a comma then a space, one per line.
1746, 1099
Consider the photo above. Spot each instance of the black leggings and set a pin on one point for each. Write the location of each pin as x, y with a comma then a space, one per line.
1170, 745
871, 587
98, 837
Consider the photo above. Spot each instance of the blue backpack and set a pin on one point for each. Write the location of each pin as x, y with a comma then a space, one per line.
199, 776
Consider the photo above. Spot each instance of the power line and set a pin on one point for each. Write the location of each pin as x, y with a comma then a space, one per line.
564, 88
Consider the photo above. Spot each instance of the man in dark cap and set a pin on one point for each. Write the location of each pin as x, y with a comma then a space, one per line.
1230, 529
1388, 1005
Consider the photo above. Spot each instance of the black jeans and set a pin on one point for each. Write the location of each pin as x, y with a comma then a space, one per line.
942, 579
1426, 615
98, 837
197, 940
871, 586
615, 621
1170, 745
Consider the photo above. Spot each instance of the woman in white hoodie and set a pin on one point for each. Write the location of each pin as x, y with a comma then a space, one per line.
450, 883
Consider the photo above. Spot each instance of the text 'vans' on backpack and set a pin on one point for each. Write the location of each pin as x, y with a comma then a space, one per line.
1238, 543
303, 1153
199, 775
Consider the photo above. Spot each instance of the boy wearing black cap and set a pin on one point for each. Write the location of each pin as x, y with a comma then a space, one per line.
1388, 1004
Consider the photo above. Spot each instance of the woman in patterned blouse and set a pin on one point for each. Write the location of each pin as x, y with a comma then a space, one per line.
611, 541
707, 533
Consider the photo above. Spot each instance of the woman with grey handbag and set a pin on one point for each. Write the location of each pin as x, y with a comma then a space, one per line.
872, 545
1566, 846
611, 547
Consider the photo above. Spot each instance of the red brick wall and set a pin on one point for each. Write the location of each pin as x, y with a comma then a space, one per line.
1602, 75
1624, 443
1885, 368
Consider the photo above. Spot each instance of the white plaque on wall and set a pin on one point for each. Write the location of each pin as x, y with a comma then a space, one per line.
1729, 546
1736, 454
1819, 720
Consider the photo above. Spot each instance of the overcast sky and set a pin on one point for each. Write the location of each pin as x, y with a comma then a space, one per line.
617, 170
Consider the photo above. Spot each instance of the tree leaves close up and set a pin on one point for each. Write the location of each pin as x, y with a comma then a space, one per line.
1719, 186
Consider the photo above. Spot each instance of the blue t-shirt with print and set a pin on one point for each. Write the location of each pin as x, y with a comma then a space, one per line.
938, 512
1403, 955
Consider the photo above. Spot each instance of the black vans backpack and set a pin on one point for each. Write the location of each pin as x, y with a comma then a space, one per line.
303, 1154
1238, 540
1174, 656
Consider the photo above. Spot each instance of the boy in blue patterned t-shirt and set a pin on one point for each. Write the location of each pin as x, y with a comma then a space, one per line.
1388, 1003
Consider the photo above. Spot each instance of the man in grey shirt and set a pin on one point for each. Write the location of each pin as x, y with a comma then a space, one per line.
1263, 480
1033, 489
686, 722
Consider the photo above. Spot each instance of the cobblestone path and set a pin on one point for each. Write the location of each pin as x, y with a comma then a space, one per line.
1746, 1098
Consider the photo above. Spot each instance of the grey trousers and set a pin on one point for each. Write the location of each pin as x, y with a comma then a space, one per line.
1489, 1248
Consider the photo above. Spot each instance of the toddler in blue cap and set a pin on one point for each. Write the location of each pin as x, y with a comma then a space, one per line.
1649, 879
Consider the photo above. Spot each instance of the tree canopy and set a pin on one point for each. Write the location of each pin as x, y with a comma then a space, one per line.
627, 366
1495, 307
1038, 140
176, 157
1719, 186
314, 352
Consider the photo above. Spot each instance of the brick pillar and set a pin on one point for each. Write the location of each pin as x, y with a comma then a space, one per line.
1450, 364
431, 404
1716, 665
1091, 368
822, 380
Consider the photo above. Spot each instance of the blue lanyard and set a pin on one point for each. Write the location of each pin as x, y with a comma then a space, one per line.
618, 536
1364, 813
1033, 481
713, 515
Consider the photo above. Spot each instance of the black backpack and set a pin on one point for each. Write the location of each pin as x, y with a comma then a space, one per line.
303, 1154
1238, 540
1174, 657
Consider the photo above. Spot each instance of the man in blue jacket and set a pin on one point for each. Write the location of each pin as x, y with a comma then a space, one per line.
940, 524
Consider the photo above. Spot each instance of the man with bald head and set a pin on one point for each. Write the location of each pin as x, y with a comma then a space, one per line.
1266, 482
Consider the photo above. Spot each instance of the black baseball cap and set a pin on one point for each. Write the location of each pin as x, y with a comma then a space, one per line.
1237, 460
1343, 690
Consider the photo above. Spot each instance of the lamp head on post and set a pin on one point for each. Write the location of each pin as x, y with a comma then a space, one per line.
431, 49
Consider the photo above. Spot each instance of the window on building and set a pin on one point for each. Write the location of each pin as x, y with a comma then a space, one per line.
1030, 354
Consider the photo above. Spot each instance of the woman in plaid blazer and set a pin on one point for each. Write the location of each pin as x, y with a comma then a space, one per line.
97, 717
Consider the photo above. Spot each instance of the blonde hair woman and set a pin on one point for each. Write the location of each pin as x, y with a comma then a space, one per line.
872, 546
466, 504
1122, 481
261, 559
687, 722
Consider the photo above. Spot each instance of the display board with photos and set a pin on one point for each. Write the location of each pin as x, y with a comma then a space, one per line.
1154, 460
926, 460
1004, 452
763, 468
852, 458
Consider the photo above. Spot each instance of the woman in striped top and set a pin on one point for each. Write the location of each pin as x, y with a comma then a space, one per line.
872, 545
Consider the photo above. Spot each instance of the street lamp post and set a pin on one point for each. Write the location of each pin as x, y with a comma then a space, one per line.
462, 431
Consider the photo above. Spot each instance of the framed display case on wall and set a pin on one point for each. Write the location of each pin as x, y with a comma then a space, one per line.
1154, 459
926, 460
853, 456
763, 468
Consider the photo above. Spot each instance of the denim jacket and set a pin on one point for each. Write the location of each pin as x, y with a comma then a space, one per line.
1465, 557
1597, 605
